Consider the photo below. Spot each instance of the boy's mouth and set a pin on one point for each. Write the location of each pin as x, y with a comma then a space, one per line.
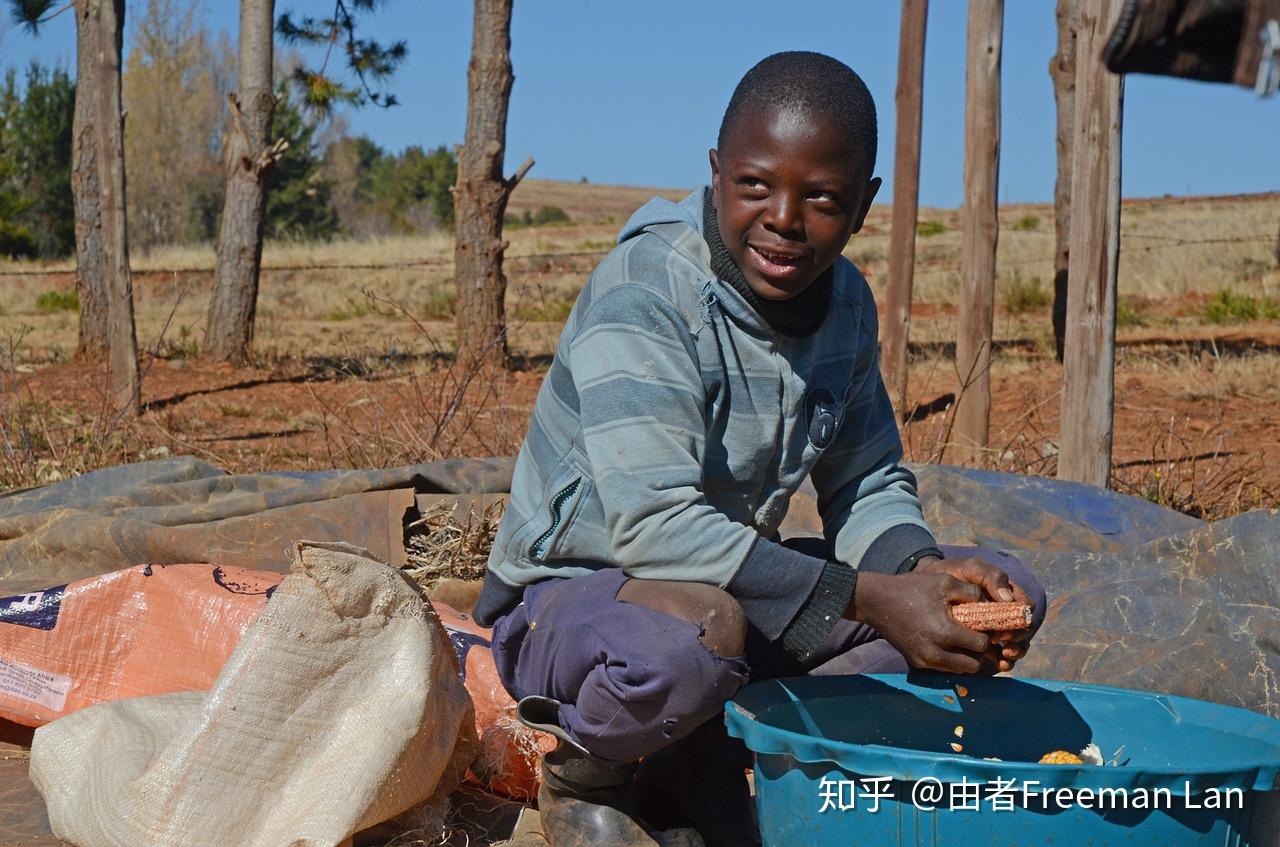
776, 265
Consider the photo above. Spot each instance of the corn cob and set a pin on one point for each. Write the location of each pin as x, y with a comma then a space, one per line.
993, 617
1061, 757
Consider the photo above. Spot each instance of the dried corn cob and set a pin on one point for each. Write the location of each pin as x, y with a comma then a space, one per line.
1061, 757
993, 617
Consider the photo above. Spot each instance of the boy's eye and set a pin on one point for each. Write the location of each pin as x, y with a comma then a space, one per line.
753, 184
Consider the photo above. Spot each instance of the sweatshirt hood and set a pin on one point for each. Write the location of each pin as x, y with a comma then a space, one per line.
660, 210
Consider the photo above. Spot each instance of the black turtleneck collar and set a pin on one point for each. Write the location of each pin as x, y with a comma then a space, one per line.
797, 317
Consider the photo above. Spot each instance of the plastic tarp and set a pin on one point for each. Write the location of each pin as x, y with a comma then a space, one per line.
1141, 596
179, 510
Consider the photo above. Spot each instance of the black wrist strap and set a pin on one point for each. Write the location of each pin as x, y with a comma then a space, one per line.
909, 563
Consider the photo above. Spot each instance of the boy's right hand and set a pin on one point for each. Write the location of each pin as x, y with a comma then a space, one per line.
913, 613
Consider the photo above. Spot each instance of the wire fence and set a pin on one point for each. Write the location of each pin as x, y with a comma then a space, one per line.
518, 261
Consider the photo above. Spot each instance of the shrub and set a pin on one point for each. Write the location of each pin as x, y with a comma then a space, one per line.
1127, 315
1027, 223
440, 304
551, 311
924, 229
545, 216
353, 308
1230, 307
1020, 295
58, 301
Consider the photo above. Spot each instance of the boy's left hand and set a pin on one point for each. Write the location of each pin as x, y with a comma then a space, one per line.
1006, 647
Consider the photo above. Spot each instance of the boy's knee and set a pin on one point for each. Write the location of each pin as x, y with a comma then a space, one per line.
715, 612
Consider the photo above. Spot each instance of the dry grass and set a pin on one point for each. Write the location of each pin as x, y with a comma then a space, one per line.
440, 545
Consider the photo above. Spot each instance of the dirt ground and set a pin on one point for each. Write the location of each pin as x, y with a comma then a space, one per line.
1196, 420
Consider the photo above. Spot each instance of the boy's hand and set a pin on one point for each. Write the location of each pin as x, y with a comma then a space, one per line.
913, 613
1006, 647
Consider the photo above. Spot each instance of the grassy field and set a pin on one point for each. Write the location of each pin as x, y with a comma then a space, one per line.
353, 342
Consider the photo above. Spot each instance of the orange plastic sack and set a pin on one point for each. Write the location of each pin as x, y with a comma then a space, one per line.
156, 629
509, 751
149, 629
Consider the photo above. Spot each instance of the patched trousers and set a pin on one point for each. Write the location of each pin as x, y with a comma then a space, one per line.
632, 680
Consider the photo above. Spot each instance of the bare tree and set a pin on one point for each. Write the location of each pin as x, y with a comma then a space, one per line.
1062, 70
90, 281
102, 241
249, 155
109, 135
482, 192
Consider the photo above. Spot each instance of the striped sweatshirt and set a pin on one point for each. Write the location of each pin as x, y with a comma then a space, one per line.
674, 425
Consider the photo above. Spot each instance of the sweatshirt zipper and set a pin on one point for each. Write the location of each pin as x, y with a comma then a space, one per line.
557, 503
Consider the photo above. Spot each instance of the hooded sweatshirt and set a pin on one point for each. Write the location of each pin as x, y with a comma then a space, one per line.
675, 424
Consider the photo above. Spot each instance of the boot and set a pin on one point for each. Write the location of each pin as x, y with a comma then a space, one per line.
585, 801
700, 782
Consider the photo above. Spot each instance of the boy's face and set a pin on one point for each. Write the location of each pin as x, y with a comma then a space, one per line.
788, 195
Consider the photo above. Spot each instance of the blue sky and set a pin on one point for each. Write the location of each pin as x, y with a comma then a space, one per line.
626, 92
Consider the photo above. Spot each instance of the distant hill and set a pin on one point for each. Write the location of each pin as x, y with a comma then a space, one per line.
586, 202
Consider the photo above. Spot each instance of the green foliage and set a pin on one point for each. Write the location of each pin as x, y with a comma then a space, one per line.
30, 14
367, 61
545, 216
440, 304
298, 205
58, 301
550, 311
1230, 307
376, 193
1027, 223
184, 347
924, 229
413, 188
1020, 295
353, 308
16, 240
37, 211
1127, 315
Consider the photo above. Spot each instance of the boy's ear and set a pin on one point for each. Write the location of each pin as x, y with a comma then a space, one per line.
868, 196
715, 176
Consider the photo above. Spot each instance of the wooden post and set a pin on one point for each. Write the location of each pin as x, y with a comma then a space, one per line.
906, 194
1088, 390
1062, 70
981, 227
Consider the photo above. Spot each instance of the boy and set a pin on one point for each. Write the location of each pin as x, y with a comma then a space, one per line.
724, 351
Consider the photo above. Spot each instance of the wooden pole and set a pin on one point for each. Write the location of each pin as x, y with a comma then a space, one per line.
1062, 70
1088, 390
981, 227
906, 195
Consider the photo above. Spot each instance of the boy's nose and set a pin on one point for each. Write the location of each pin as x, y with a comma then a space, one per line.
784, 215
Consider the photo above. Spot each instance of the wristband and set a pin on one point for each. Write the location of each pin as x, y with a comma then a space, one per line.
909, 563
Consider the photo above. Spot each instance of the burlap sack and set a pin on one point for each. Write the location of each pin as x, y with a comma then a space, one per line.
340, 708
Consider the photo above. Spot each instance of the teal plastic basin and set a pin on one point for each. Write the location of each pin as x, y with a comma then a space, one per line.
868, 760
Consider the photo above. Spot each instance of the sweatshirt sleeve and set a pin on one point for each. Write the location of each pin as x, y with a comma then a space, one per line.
868, 501
642, 410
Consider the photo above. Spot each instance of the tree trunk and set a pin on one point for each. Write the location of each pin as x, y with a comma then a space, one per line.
229, 328
91, 286
981, 227
481, 193
1062, 70
109, 135
1088, 373
896, 329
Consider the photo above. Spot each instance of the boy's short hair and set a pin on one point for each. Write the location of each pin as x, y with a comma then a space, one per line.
812, 83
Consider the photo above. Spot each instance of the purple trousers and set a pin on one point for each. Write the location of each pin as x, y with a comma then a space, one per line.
633, 680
